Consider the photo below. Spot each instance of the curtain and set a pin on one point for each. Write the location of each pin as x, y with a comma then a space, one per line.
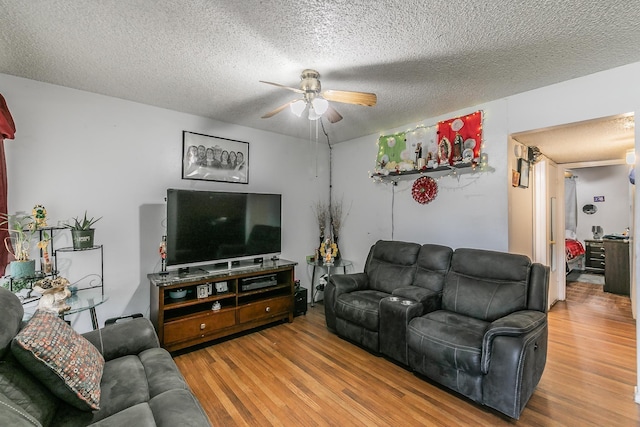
570, 205
7, 130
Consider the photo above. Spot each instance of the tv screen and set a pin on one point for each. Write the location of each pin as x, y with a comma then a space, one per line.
213, 227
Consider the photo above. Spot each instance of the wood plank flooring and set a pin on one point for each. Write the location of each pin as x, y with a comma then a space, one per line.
300, 374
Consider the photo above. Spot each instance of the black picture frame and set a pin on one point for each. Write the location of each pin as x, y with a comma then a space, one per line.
211, 158
523, 169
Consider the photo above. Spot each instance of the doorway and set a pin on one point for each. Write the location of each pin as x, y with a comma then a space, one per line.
589, 144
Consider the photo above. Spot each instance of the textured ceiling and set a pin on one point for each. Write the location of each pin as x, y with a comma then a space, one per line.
206, 57
603, 140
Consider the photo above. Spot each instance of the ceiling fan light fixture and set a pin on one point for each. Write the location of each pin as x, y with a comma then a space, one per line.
320, 105
315, 102
298, 107
313, 114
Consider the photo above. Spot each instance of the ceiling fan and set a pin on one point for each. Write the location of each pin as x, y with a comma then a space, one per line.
316, 102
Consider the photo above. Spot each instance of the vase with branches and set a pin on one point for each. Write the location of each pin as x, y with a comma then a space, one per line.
332, 214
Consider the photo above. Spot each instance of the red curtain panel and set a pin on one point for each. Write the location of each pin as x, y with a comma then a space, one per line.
7, 131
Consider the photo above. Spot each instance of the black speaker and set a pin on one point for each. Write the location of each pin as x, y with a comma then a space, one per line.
300, 301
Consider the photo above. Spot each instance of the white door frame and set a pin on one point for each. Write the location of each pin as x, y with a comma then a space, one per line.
545, 237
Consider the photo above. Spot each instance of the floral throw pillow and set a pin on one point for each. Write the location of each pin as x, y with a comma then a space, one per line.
63, 360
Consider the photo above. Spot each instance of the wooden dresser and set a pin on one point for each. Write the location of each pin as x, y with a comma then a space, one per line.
594, 258
617, 272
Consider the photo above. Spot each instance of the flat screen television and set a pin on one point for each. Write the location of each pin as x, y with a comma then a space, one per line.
214, 227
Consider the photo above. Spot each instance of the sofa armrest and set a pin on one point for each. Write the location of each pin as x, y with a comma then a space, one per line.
12, 414
515, 324
337, 285
430, 300
126, 338
516, 366
345, 283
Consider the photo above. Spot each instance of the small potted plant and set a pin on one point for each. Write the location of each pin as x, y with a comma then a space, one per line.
21, 228
81, 231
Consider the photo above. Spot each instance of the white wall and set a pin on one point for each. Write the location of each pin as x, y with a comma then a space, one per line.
469, 210
76, 151
612, 215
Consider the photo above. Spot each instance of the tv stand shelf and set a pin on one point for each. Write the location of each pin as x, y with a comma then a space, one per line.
184, 322
172, 304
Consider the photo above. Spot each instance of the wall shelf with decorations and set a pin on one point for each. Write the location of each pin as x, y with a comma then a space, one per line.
442, 171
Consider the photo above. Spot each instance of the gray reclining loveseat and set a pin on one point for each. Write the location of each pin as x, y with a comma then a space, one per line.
472, 320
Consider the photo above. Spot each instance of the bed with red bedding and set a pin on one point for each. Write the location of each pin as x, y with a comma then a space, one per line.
574, 251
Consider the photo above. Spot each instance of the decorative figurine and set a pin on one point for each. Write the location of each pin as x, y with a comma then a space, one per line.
328, 251
163, 255
40, 215
54, 293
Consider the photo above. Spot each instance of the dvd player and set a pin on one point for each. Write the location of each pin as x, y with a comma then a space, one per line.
260, 282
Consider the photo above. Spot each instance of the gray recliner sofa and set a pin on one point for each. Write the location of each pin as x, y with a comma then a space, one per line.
479, 328
141, 385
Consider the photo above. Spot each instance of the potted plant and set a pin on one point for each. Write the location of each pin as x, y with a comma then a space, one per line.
21, 228
81, 231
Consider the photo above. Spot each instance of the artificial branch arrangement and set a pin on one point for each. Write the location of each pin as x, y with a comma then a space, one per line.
322, 216
336, 215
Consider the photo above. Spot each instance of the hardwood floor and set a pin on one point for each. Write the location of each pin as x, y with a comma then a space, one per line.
300, 374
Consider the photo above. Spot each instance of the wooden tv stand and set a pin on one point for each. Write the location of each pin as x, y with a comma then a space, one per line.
190, 320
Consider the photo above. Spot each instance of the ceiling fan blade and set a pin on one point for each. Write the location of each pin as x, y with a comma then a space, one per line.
360, 98
332, 115
277, 110
283, 87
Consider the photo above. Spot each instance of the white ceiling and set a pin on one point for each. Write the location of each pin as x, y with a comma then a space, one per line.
206, 57
603, 140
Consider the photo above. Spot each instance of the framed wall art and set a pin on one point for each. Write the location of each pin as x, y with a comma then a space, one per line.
515, 178
210, 158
